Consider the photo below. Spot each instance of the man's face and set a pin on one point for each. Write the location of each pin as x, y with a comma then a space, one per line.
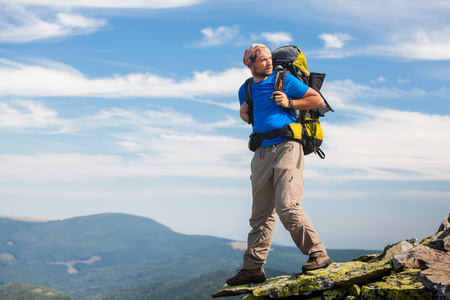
262, 67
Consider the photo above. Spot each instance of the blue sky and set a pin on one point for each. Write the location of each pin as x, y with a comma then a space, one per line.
131, 106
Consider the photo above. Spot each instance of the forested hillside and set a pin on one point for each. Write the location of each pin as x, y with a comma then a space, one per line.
92, 255
22, 291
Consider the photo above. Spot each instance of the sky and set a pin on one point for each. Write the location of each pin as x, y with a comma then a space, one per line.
131, 107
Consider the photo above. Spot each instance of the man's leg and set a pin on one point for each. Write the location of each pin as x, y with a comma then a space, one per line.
262, 220
288, 176
263, 216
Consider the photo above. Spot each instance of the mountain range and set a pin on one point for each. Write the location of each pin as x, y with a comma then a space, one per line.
96, 255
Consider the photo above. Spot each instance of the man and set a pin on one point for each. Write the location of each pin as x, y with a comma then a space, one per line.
277, 168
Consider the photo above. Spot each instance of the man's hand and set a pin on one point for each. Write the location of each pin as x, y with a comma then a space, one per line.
310, 100
281, 99
243, 112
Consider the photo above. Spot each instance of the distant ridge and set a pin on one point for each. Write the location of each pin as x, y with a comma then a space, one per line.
91, 255
34, 219
25, 219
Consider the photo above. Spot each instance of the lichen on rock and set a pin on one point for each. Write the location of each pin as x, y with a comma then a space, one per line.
337, 293
397, 286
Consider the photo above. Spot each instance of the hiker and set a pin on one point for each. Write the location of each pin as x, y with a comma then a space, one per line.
276, 167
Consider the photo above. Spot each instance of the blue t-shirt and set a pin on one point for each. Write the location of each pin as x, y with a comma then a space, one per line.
267, 115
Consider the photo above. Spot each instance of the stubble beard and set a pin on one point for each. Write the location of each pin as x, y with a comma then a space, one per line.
264, 73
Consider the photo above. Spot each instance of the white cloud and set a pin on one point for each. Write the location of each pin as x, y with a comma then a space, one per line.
379, 143
416, 30
272, 39
27, 114
379, 79
162, 143
196, 156
224, 35
216, 37
336, 40
277, 39
28, 20
373, 144
152, 4
60, 80
421, 44
388, 145
20, 25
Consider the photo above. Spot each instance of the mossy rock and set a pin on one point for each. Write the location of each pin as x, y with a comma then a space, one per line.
337, 293
398, 286
335, 275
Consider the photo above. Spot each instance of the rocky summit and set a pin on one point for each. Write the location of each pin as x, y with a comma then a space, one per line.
405, 270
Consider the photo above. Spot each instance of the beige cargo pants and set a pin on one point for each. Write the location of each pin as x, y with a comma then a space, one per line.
277, 186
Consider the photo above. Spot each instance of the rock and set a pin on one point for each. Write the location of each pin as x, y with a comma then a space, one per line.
251, 297
447, 243
402, 285
338, 293
366, 258
402, 271
437, 280
391, 250
337, 274
355, 290
419, 257
445, 224
439, 242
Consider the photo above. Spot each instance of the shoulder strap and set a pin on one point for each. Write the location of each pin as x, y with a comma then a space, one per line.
249, 100
279, 80
279, 83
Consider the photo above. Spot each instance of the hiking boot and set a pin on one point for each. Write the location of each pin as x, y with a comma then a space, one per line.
317, 262
245, 276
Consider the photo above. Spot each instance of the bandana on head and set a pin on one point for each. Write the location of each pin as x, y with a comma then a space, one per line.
253, 52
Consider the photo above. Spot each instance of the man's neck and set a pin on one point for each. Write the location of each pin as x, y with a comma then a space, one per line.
257, 78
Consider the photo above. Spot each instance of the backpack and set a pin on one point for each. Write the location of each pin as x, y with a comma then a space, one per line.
307, 129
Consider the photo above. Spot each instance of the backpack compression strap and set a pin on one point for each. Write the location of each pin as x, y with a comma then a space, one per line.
249, 100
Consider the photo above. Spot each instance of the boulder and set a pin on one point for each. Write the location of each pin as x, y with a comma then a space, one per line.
437, 280
441, 240
391, 250
419, 257
447, 244
402, 285
445, 224
337, 293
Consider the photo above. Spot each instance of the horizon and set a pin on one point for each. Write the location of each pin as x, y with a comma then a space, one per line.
35, 220
132, 108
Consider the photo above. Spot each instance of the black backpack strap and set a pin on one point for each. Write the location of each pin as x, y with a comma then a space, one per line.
249, 100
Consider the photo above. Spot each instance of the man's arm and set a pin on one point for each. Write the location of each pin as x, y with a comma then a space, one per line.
310, 100
243, 112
